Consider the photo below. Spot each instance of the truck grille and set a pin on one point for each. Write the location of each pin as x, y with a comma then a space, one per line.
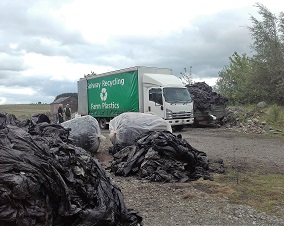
181, 115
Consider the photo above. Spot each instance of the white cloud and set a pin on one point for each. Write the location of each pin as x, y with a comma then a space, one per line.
100, 20
16, 90
58, 67
46, 46
2, 100
208, 81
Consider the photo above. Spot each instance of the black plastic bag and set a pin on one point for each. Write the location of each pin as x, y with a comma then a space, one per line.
45, 180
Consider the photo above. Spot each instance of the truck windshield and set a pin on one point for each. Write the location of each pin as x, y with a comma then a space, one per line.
177, 95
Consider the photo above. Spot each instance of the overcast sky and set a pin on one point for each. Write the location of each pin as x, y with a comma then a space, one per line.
47, 45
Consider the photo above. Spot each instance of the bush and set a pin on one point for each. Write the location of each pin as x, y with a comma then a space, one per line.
275, 115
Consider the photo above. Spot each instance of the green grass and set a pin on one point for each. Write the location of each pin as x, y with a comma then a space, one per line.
264, 192
24, 111
274, 115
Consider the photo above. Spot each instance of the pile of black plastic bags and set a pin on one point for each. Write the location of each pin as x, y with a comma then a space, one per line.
162, 156
46, 180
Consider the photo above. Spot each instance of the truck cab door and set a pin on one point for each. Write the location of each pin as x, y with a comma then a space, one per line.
154, 101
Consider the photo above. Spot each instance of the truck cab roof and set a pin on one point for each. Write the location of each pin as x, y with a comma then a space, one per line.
164, 80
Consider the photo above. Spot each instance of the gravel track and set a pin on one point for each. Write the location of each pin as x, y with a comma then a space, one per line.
264, 152
167, 204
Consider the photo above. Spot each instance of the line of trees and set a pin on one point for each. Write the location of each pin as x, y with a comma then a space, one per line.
260, 77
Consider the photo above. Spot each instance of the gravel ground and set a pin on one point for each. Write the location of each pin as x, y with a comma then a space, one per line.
169, 204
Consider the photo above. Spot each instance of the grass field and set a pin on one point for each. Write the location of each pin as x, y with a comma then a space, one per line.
24, 111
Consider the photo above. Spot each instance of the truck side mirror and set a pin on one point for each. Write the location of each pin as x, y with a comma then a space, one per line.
162, 108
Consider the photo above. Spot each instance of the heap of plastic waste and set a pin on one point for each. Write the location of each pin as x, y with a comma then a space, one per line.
46, 180
164, 157
204, 96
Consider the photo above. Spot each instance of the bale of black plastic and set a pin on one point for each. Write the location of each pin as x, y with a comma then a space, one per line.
7, 119
45, 180
161, 156
126, 127
204, 96
39, 118
85, 132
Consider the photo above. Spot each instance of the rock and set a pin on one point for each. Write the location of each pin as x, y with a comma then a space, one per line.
263, 123
255, 120
262, 104
267, 128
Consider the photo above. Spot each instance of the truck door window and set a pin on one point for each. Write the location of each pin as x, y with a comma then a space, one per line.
155, 95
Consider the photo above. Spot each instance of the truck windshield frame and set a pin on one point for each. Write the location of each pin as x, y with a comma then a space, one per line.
176, 95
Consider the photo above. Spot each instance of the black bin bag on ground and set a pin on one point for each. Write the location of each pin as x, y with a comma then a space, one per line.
45, 180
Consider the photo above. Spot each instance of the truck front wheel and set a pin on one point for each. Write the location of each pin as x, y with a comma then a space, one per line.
177, 128
103, 123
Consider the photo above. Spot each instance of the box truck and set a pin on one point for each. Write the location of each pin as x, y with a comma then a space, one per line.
135, 89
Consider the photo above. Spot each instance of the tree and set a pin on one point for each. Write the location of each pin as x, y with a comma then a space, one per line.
91, 74
234, 79
260, 77
185, 77
268, 43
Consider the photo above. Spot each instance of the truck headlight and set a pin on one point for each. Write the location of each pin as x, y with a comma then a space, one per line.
169, 114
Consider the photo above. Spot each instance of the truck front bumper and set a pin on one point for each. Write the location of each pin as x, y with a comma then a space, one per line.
183, 121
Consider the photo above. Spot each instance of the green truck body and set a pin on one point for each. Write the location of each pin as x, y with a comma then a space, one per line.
112, 95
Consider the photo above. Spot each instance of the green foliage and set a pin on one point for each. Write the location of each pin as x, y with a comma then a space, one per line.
268, 36
234, 79
261, 77
67, 95
275, 116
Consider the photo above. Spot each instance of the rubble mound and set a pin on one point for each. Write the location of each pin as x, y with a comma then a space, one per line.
45, 180
247, 121
164, 157
203, 96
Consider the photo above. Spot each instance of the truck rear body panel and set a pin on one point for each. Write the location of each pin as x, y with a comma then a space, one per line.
82, 97
111, 95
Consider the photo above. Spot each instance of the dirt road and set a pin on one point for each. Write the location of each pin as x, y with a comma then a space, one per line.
266, 153
183, 204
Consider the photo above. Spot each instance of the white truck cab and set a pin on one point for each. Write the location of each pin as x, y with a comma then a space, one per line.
167, 97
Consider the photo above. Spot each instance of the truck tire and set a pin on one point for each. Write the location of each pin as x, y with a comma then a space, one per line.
103, 123
177, 128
